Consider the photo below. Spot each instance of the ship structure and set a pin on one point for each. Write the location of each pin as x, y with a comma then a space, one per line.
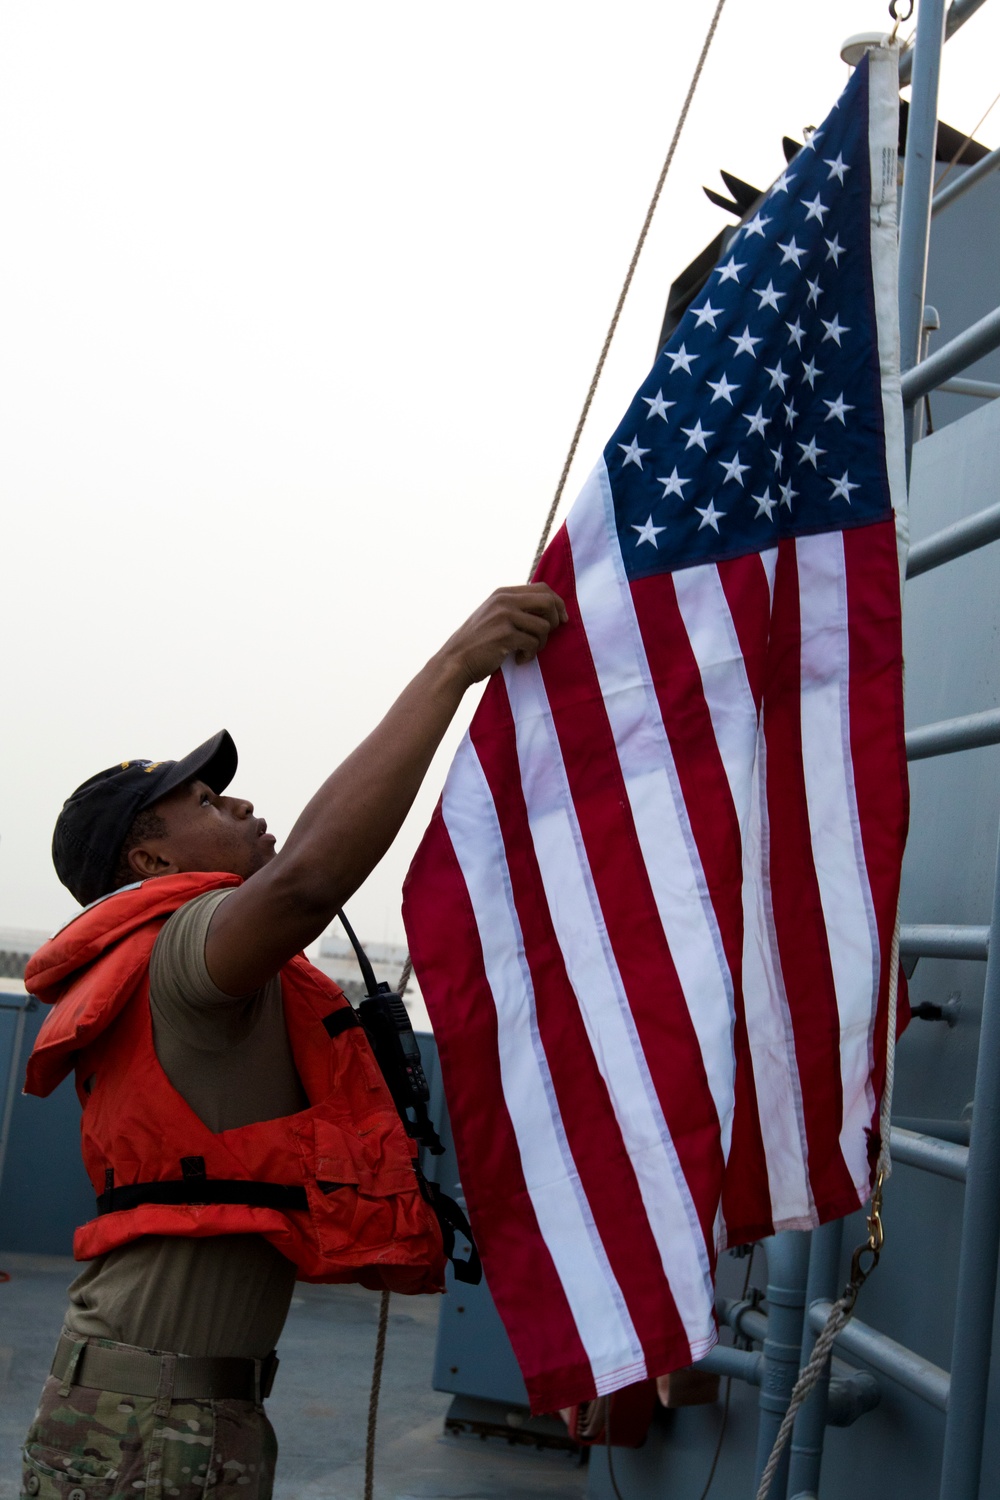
909, 1407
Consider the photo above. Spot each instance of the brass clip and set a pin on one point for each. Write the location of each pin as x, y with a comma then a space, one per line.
875, 1241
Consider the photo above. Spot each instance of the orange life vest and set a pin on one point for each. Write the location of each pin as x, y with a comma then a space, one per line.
334, 1187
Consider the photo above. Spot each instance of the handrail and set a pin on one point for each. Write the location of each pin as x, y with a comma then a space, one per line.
931, 940
943, 1158
968, 179
970, 732
884, 1354
958, 13
954, 541
960, 352
960, 385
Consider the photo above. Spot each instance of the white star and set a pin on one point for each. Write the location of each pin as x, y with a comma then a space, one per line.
781, 183
757, 421
710, 516
790, 414
842, 488
657, 406
744, 342
768, 297
809, 372
706, 314
734, 470
796, 333
723, 390
648, 533
812, 135
778, 377
833, 330
756, 225
729, 272
838, 409
778, 454
834, 249
788, 494
633, 453
680, 360
837, 168
765, 505
792, 252
673, 485
816, 209
696, 436
814, 291
810, 453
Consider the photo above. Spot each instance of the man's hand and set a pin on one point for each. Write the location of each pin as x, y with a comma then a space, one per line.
514, 621
343, 832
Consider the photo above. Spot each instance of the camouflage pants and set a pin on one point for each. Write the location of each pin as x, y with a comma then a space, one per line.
101, 1445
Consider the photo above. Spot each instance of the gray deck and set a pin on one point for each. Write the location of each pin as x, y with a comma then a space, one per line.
320, 1400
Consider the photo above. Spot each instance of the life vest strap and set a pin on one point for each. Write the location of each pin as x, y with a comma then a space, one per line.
451, 1217
198, 1190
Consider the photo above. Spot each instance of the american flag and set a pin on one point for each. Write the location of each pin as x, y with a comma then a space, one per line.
652, 915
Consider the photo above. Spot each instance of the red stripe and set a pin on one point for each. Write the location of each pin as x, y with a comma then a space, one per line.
705, 789
744, 583
877, 746
628, 907
798, 912
447, 956
606, 1173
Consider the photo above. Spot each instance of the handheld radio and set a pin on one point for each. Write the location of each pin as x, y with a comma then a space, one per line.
387, 1025
384, 1017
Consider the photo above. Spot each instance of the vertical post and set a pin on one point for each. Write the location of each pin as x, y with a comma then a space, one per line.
787, 1272
977, 1264
810, 1424
918, 186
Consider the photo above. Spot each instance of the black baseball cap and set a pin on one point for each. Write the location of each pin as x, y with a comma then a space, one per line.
95, 820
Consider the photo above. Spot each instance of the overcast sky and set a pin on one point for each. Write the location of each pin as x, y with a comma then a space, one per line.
299, 305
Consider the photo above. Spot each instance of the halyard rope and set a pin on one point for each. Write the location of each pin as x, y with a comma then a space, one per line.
407, 969
625, 289
383, 1323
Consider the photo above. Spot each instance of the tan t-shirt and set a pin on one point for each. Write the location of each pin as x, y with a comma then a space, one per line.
232, 1062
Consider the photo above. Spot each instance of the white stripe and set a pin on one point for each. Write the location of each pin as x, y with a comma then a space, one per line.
557, 1196
661, 820
709, 624
597, 984
883, 137
834, 827
769, 1027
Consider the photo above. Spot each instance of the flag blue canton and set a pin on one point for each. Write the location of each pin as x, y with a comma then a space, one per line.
762, 417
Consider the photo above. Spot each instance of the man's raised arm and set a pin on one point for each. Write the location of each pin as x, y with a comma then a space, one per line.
345, 829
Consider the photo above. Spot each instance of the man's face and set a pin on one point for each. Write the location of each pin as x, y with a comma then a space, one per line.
207, 831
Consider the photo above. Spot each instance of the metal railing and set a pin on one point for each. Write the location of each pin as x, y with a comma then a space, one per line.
21, 1005
961, 1393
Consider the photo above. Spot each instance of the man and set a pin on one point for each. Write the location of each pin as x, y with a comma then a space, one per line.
234, 1123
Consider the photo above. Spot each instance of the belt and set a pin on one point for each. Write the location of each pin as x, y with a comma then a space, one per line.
168, 1377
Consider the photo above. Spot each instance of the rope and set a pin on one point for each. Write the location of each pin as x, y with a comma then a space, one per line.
543, 540
625, 289
839, 1314
383, 1324
609, 1450
404, 977
961, 150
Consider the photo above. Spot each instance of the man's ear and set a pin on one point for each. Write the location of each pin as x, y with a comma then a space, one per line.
145, 863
